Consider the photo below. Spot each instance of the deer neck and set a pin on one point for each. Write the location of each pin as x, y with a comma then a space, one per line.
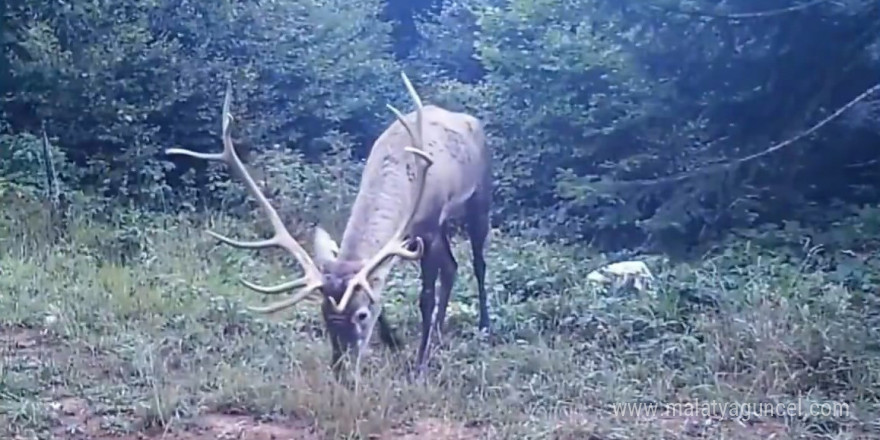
381, 205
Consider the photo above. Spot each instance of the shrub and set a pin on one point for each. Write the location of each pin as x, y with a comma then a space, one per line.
119, 82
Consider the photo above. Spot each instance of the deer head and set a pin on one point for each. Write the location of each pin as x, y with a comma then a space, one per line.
345, 287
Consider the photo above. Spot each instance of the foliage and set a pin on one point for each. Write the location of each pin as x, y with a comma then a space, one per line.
614, 126
306, 193
603, 115
25, 176
608, 120
137, 334
118, 82
583, 97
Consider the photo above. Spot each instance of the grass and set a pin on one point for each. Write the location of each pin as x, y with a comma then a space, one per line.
136, 329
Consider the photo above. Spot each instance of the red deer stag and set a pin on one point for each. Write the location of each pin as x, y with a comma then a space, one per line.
417, 179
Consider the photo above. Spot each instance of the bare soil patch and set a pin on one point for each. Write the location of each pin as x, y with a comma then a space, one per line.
700, 427
20, 340
79, 424
432, 428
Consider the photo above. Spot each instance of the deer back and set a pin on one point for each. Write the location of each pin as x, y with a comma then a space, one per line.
456, 143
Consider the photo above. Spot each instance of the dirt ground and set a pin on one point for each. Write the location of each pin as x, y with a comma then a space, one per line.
76, 420
79, 421
74, 413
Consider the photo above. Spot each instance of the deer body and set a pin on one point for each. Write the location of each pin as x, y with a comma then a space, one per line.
425, 170
457, 187
454, 141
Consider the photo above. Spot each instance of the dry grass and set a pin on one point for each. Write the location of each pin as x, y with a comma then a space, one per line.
137, 330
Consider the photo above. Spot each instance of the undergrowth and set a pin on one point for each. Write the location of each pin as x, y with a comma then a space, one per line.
140, 319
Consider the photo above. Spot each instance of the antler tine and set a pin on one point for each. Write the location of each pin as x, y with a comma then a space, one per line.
398, 245
283, 304
311, 281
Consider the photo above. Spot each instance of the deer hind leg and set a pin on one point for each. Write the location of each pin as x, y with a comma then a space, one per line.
477, 227
448, 270
428, 302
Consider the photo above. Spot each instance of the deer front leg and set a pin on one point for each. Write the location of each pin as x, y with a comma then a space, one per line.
428, 306
448, 269
336, 359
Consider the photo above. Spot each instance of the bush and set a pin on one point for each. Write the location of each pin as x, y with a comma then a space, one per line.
118, 82
604, 116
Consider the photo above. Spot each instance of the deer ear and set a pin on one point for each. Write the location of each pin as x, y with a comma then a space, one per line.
325, 247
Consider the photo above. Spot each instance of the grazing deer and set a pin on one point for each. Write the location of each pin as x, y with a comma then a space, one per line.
415, 181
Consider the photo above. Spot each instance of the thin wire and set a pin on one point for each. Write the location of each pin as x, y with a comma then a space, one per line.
743, 15
751, 157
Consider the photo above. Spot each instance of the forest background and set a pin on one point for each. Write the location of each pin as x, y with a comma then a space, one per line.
733, 145
625, 125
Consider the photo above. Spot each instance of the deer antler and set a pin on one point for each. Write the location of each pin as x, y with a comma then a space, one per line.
309, 283
399, 243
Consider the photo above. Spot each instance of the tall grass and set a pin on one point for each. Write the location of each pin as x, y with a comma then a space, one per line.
137, 325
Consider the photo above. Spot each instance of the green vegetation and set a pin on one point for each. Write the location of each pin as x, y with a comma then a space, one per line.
113, 331
618, 130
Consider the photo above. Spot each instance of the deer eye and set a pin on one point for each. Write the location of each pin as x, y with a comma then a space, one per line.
362, 315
